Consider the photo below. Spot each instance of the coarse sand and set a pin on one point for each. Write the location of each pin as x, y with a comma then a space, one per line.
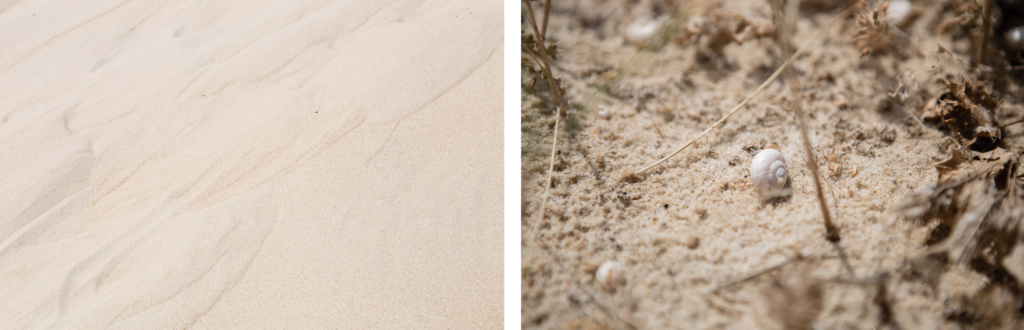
688, 232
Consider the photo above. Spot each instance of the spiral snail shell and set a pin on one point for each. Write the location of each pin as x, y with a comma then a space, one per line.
768, 172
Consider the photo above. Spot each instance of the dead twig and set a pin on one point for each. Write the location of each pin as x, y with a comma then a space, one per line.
556, 91
757, 274
1003, 126
986, 25
831, 232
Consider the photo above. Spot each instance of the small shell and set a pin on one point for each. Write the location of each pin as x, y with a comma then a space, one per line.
1015, 38
610, 273
640, 31
604, 113
768, 172
901, 12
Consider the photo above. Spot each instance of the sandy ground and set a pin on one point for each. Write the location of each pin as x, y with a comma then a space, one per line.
695, 223
240, 164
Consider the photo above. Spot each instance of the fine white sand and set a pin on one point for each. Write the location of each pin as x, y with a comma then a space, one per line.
250, 164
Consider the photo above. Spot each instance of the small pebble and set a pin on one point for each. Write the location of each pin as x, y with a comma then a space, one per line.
641, 31
898, 10
610, 273
604, 113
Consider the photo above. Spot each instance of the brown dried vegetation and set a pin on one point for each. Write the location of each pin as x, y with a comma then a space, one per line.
832, 161
967, 109
719, 28
875, 34
533, 66
979, 205
963, 16
980, 201
795, 306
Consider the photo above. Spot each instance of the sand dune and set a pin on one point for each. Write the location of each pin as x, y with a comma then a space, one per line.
250, 164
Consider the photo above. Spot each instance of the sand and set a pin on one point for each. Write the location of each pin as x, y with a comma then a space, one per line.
238, 164
695, 223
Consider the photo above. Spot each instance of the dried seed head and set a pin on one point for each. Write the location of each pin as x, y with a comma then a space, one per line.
873, 33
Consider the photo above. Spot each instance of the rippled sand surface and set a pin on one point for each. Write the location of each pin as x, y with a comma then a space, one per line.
250, 164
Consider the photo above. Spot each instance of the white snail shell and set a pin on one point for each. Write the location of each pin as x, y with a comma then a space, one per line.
1015, 37
640, 31
604, 113
610, 273
768, 172
898, 10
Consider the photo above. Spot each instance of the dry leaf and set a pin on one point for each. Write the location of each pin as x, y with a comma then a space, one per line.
967, 110
983, 200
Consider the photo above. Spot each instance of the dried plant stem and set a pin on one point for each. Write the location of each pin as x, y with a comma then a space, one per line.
759, 273
544, 19
831, 232
542, 49
799, 52
832, 191
986, 25
912, 115
551, 169
1003, 126
839, 249
555, 94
